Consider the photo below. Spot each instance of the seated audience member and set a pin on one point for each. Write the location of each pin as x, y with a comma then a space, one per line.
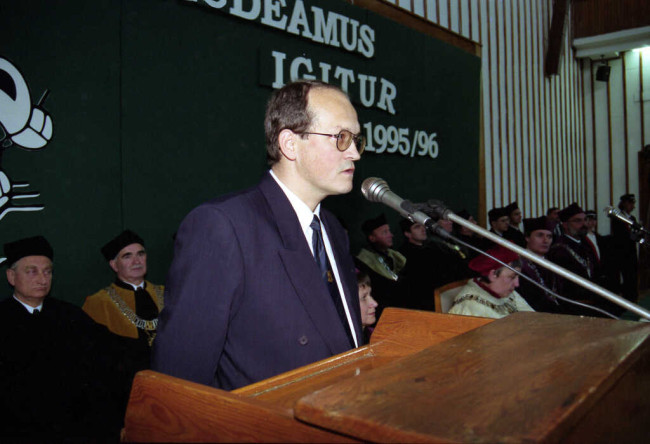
492, 295
571, 252
451, 259
429, 264
420, 270
57, 375
553, 215
130, 305
368, 305
468, 236
383, 264
601, 249
592, 236
498, 218
513, 233
539, 236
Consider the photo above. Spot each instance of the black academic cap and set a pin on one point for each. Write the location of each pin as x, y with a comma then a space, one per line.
570, 211
369, 225
497, 213
125, 238
31, 246
538, 223
628, 198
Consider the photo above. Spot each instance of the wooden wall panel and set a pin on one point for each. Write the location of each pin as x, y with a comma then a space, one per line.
550, 141
593, 17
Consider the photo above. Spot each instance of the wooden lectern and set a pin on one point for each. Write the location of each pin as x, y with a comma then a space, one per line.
529, 377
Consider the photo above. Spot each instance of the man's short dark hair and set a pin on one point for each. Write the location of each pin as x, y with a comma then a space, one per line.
406, 225
288, 109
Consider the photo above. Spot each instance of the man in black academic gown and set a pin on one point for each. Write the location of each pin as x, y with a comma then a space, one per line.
571, 251
429, 264
513, 233
539, 236
56, 380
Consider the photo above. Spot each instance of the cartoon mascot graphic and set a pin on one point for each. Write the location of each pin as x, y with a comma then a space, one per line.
23, 125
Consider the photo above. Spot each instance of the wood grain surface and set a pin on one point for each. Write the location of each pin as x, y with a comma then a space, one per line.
530, 377
163, 408
167, 409
399, 333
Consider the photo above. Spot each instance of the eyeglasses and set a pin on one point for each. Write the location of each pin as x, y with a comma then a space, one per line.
344, 139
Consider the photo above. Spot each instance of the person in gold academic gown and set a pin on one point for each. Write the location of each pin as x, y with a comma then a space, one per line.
130, 305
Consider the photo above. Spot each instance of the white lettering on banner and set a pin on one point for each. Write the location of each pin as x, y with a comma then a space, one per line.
238, 10
367, 41
365, 100
302, 68
213, 3
326, 31
272, 10
279, 69
390, 139
354, 36
299, 20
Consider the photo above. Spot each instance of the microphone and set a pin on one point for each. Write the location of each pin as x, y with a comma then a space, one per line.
376, 190
638, 233
615, 212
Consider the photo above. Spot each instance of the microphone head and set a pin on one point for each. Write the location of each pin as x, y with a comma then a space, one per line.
373, 188
612, 211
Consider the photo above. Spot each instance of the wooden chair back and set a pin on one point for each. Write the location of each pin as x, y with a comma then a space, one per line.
444, 296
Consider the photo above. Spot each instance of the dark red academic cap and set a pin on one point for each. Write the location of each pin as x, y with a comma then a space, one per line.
483, 264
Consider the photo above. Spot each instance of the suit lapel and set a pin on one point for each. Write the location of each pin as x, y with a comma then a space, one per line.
301, 268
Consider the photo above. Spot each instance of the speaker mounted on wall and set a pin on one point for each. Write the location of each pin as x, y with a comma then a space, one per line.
602, 73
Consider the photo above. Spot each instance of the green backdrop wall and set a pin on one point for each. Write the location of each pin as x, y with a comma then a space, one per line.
157, 106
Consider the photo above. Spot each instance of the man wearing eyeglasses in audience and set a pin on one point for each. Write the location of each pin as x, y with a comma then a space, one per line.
262, 281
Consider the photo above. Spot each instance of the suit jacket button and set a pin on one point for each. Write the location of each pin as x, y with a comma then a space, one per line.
303, 340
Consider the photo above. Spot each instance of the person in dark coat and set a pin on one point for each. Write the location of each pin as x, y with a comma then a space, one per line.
539, 236
624, 239
469, 237
513, 233
571, 252
57, 376
499, 223
429, 264
601, 247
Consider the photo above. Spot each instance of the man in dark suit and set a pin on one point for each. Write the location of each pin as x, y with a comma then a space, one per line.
256, 287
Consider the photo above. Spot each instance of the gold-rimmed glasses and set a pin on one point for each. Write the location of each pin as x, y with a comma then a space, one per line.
344, 139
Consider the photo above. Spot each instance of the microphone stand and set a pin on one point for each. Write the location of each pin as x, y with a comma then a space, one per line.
443, 213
